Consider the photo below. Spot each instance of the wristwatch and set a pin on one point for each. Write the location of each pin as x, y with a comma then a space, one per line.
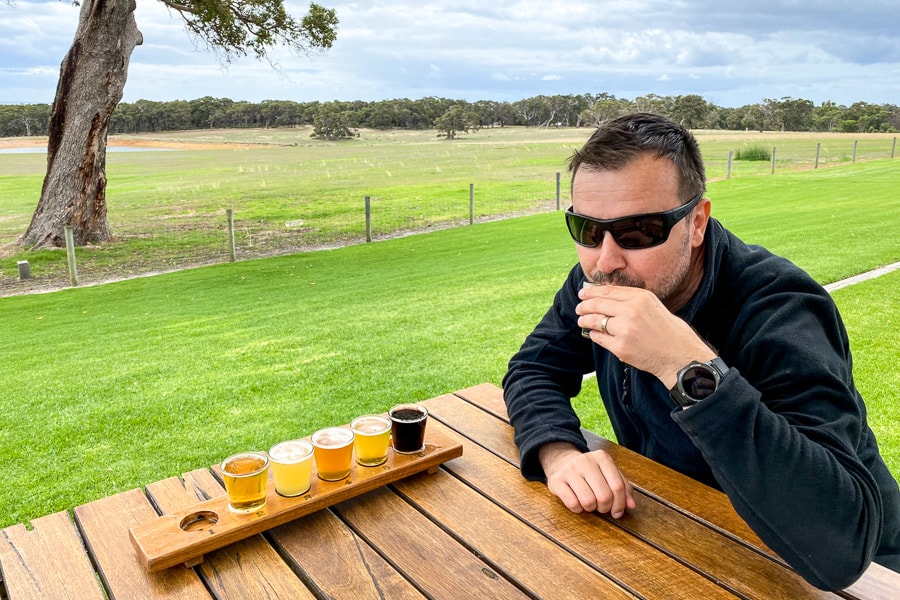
698, 380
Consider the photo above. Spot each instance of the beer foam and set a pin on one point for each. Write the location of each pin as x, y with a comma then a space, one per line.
290, 451
371, 425
333, 437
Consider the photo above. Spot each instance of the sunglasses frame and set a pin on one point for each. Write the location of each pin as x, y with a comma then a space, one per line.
669, 219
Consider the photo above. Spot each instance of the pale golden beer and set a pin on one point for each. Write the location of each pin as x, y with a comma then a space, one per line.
333, 448
292, 463
372, 434
245, 476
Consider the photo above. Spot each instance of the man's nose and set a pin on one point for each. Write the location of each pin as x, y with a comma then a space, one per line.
610, 256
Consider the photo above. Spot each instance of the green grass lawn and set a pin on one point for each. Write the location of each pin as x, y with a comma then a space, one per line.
110, 387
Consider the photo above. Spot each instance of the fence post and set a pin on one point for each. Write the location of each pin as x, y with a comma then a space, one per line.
855, 142
368, 219
471, 203
728, 170
893, 146
818, 147
229, 216
773, 160
557, 190
70, 255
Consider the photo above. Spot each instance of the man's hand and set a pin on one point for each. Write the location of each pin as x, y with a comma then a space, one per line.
586, 481
640, 330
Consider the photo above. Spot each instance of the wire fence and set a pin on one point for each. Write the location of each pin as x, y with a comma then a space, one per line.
167, 242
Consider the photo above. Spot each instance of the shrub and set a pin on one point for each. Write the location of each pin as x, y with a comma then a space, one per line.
756, 152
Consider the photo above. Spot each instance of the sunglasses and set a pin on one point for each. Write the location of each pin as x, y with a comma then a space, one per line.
633, 232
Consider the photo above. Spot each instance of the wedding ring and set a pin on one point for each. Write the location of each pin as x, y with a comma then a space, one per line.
603, 323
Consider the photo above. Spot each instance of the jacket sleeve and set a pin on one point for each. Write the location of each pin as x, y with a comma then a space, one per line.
544, 375
783, 435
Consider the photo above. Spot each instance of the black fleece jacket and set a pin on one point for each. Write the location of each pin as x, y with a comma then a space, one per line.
784, 436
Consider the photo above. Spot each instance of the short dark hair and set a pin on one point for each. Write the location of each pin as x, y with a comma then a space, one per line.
619, 141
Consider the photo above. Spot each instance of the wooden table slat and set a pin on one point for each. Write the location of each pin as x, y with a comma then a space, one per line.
528, 557
337, 562
104, 526
47, 562
878, 583
422, 551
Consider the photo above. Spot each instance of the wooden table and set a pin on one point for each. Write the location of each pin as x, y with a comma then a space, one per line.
474, 529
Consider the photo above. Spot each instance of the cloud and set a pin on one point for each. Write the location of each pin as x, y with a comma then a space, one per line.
502, 50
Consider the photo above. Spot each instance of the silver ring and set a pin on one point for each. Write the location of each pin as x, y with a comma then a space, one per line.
603, 323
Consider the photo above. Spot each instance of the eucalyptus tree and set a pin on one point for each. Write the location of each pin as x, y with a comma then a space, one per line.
92, 80
457, 118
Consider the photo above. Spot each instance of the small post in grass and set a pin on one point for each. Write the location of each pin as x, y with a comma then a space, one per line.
229, 215
855, 143
893, 146
368, 219
728, 170
70, 255
471, 203
818, 148
24, 270
773, 160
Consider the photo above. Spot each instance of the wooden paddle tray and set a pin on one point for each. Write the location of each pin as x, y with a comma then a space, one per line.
185, 536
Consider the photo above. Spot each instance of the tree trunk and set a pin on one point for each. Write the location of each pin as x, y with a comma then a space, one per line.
91, 81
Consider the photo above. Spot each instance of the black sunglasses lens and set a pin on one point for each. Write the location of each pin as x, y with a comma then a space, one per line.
584, 231
639, 232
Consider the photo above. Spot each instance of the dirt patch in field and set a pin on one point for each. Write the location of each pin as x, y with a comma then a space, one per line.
126, 142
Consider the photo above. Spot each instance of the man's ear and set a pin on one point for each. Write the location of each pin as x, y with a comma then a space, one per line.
699, 221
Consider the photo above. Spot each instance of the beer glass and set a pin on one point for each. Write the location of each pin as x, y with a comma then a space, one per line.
333, 449
245, 476
408, 428
372, 434
291, 462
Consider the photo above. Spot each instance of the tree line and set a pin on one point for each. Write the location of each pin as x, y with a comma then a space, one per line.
338, 119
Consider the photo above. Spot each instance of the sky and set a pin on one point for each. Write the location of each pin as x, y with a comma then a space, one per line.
730, 53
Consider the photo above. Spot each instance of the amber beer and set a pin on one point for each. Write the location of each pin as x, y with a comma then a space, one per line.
408, 428
291, 466
333, 448
372, 434
245, 478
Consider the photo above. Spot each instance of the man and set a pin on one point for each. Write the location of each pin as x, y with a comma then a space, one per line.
716, 358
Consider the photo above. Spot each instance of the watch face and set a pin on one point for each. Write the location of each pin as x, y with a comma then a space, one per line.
699, 381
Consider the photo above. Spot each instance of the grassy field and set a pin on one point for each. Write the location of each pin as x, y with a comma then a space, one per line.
290, 192
109, 387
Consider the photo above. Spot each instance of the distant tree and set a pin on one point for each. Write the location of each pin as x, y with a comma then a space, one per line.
691, 111
652, 103
333, 123
606, 107
791, 114
760, 117
494, 114
456, 119
92, 80
827, 116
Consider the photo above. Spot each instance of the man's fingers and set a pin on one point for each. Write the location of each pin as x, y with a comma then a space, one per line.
593, 483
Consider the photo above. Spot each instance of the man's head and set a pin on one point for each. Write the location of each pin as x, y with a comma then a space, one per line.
621, 140
638, 212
